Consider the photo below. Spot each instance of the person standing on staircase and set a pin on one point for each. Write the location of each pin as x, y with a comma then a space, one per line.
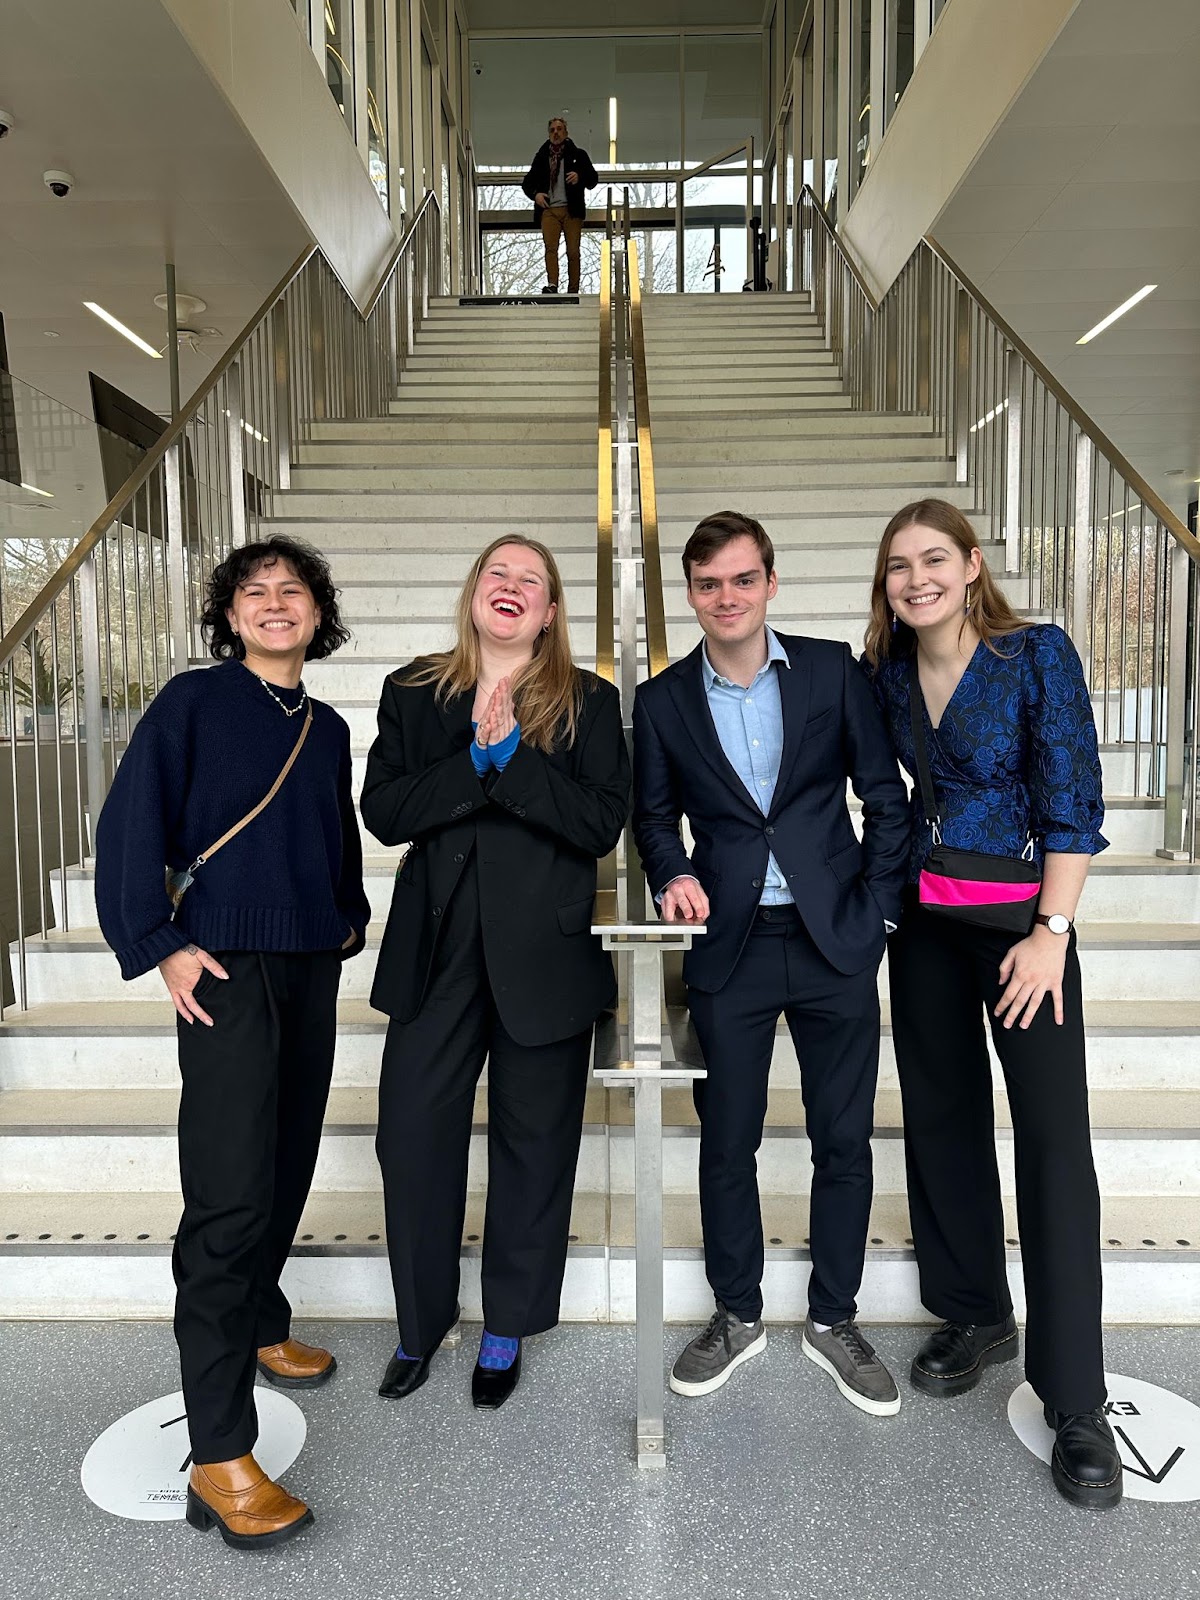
1014, 768
503, 766
752, 736
556, 182
237, 771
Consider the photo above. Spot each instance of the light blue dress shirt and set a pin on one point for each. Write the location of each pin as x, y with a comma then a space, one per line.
749, 724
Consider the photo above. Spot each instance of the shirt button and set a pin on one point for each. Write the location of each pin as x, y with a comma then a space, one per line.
762, 783
749, 699
754, 742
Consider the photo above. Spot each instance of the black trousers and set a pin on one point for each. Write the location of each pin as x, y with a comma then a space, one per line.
255, 1086
834, 1023
944, 976
536, 1094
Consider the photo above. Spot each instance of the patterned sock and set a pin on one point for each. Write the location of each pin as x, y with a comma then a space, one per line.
496, 1354
403, 1355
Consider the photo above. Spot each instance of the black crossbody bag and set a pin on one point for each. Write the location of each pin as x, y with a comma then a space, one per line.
968, 885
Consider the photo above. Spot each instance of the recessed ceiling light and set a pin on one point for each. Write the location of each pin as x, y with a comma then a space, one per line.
107, 316
1127, 305
49, 333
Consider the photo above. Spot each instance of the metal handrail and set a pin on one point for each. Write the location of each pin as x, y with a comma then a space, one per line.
686, 177
1086, 541
652, 586
122, 612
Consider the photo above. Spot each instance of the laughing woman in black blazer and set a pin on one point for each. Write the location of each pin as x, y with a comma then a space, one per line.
505, 766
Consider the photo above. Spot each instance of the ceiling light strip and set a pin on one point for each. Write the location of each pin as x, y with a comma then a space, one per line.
128, 333
1127, 305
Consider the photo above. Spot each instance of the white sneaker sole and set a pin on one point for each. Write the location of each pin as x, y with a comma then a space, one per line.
679, 1386
874, 1408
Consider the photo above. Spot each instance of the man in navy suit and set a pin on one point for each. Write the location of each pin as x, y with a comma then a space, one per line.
752, 737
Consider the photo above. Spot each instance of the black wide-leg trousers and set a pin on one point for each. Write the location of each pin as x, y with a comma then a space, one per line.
944, 977
255, 1086
834, 1023
536, 1094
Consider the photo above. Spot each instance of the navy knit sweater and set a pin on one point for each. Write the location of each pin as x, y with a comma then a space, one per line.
207, 750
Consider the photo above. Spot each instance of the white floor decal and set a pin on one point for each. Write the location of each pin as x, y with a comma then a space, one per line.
1157, 1432
139, 1467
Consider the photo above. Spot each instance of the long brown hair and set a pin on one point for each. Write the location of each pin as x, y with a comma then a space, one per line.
547, 694
988, 612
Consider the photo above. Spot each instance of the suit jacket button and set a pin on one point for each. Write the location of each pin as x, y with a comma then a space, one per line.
768, 830
459, 856
437, 911
756, 883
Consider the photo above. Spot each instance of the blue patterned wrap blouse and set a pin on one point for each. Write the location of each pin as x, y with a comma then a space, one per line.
1015, 754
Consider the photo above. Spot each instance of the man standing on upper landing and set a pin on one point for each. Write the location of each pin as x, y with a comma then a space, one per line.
556, 183
752, 736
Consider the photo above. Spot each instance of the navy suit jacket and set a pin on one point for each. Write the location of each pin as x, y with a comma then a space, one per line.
832, 730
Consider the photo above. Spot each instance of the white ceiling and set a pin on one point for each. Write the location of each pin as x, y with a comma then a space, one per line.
631, 14
1089, 189
112, 93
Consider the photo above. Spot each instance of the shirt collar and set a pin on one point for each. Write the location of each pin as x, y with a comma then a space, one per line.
775, 652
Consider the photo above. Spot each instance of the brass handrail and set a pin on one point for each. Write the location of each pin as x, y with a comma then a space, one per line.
605, 644
652, 584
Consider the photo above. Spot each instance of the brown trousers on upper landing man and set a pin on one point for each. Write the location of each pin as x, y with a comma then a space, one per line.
556, 223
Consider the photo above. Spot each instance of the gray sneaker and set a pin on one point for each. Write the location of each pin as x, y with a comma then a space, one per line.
853, 1365
710, 1358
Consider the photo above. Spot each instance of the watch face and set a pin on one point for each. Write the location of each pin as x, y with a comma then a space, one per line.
1058, 924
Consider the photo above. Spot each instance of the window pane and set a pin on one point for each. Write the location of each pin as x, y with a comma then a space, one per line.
377, 137
722, 93
861, 126
339, 55
831, 106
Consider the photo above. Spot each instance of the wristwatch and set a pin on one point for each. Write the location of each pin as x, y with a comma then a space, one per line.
1056, 923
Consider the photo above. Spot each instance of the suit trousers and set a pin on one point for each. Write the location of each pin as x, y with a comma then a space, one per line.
944, 976
431, 1067
558, 223
834, 1023
255, 1086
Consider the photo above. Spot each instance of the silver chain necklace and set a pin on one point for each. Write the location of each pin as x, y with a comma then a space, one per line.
288, 711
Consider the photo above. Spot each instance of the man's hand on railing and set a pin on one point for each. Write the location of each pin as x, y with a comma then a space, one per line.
181, 973
683, 900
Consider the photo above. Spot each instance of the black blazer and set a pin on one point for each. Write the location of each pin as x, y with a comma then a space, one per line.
832, 730
537, 179
535, 831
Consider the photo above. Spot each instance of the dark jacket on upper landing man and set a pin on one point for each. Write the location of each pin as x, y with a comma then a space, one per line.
537, 179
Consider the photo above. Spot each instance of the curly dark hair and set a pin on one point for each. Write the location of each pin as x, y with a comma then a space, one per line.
239, 567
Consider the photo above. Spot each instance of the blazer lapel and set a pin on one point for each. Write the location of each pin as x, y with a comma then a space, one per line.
455, 716
795, 691
687, 690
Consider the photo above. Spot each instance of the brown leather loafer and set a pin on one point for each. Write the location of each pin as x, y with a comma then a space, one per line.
292, 1365
251, 1511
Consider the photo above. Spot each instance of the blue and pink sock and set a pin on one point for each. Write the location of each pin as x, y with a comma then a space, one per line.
497, 1354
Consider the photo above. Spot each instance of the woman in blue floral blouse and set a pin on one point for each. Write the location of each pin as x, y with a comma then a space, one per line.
1012, 751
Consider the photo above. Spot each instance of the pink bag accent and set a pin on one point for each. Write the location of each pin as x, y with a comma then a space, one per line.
936, 890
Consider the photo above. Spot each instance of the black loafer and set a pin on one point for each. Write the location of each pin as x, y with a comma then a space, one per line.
952, 1359
1086, 1464
403, 1377
491, 1388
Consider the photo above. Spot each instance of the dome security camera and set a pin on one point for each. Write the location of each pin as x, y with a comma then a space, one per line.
59, 184
6, 122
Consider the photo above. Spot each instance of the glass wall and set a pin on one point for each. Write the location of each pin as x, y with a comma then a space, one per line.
860, 127
339, 55
377, 129
832, 44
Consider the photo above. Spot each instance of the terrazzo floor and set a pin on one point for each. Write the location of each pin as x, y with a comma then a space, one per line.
776, 1488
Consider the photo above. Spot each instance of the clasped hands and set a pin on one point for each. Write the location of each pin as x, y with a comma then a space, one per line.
498, 719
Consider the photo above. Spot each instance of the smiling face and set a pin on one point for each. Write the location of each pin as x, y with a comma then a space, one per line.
512, 601
274, 613
926, 576
729, 593
558, 131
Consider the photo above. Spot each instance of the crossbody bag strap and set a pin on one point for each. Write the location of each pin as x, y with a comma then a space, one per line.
262, 805
916, 706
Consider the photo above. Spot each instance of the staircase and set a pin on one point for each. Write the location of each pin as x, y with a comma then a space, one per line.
494, 431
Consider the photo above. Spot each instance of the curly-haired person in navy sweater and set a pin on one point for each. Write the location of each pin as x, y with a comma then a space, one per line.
1015, 768
252, 959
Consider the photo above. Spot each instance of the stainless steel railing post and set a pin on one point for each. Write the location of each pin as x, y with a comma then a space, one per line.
93, 708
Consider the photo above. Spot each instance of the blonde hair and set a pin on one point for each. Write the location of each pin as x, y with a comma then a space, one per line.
988, 612
547, 694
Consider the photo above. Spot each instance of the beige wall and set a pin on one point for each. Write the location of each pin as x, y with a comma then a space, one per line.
979, 58
255, 54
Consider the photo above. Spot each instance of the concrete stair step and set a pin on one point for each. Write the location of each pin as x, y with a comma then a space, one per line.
450, 504
481, 359
1134, 1046
119, 1266
417, 431
666, 406
518, 403
798, 451
459, 538
784, 423
444, 455
429, 478
758, 475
